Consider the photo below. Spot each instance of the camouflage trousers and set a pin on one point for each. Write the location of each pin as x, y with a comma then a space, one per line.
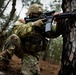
29, 63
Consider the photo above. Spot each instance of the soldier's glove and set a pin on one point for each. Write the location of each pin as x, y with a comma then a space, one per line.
56, 19
39, 22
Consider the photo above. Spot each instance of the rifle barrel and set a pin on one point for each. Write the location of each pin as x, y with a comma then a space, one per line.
65, 15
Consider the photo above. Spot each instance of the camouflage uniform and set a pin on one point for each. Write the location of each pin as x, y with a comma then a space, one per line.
25, 42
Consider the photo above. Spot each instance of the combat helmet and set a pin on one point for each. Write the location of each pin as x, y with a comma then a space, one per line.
34, 8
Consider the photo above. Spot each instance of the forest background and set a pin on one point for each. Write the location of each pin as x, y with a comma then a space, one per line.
12, 10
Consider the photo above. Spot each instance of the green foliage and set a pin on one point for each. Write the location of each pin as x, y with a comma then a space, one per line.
56, 5
29, 2
54, 50
58, 9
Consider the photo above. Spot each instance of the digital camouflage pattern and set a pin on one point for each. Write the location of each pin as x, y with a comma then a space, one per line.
21, 29
30, 65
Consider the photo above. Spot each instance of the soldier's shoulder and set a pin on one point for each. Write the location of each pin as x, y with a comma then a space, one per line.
19, 22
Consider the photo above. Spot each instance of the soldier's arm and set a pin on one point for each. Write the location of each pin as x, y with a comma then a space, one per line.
56, 29
21, 29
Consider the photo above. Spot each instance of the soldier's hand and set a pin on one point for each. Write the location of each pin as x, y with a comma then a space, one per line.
39, 22
57, 20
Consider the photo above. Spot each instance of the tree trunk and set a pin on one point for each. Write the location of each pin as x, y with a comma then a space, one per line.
11, 15
69, 40
4, 8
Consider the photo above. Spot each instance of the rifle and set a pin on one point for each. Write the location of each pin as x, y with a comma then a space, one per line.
49, 18
47, 15
65, 15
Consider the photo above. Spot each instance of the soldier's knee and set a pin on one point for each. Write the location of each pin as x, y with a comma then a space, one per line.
14, 36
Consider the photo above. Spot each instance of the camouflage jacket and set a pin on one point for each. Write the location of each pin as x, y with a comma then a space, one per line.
21, 29
32, 40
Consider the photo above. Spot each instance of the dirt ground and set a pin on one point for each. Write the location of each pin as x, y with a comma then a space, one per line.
13, 68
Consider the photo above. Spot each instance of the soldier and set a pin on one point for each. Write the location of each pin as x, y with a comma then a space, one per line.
26, 42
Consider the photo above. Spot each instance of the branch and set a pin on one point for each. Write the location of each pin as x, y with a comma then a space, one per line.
4, 8
11, 15
19, 14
